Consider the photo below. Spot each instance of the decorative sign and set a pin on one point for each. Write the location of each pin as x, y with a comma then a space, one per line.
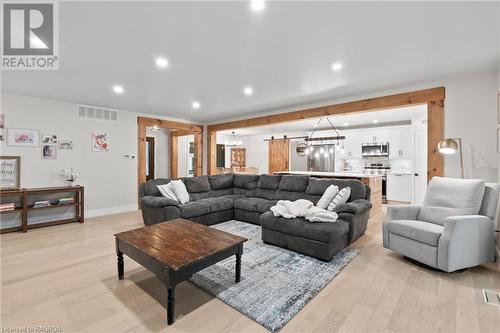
10, 172
301, 149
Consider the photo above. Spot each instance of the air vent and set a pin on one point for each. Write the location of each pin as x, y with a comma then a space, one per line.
96, 113
491, 297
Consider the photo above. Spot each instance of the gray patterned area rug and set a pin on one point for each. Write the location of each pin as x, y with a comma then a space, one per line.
275, 283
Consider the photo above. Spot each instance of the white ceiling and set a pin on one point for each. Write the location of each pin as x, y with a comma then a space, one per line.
284, 52
365, 119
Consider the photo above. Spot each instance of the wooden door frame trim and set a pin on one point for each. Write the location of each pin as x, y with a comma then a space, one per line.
179, 128
433, 98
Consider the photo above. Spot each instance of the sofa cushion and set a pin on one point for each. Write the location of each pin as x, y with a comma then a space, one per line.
321, 232
194, 208
252, 204
264, 206
318, 187
451, 197
233, 196
150, 187
248, 182
423, 232
263, 193
293, 183
268, 182
219, 182
218, 204
197, 184
292, 196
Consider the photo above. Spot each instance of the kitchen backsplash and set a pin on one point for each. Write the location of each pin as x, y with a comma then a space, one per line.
400, 165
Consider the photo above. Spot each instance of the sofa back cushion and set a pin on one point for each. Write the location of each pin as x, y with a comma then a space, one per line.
150, 187
196, 184
292, 196
451, 197
219, 182
293, 183
247, 182
267, 182
318, 186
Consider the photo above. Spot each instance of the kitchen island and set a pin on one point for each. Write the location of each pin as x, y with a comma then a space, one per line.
373, 181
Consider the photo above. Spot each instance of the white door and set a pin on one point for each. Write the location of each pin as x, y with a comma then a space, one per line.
420, 163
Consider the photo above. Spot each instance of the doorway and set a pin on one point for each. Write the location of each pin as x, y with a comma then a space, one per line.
150, 158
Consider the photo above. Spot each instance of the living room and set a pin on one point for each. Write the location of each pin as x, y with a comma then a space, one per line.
122, 135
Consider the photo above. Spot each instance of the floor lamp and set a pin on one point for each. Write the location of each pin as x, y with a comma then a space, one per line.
449, 147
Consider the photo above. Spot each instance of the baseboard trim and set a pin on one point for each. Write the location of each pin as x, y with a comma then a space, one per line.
109, 211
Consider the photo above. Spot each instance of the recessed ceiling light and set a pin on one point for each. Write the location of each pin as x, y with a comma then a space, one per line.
196, 105
258, 5
162, 62
118, 89
248, 91
346, 124
375, 121
336, 66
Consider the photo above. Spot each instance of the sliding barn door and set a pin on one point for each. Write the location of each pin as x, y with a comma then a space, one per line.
279, 150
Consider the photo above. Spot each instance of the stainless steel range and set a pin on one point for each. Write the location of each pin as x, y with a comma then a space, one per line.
380, 169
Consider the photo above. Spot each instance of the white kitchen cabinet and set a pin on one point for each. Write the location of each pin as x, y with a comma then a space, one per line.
399, 187
401, 143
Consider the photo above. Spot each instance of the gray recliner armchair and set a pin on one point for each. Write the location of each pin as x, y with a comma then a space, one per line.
452, 230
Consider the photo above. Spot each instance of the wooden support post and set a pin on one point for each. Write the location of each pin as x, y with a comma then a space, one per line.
435, 133
211, 152
173, 143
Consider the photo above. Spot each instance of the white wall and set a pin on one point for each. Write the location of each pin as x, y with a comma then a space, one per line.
183, 156
110, 180
161, 152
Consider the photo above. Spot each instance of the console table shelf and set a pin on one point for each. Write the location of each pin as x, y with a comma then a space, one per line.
26, 196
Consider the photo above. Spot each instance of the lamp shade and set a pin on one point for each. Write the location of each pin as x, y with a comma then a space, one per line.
448, 146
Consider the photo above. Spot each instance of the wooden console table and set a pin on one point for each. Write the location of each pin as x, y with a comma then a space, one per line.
25, 207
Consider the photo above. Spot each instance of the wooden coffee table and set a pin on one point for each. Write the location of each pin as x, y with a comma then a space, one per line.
177, 249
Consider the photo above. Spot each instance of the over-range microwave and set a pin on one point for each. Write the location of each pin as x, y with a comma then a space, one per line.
369, 149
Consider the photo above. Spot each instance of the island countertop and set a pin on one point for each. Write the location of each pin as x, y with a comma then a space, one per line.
329, 174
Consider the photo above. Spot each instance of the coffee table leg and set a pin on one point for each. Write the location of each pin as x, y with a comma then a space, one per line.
120, 265
238, 268
171, 305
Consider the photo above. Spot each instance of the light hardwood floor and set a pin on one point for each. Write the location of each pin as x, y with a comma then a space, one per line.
66, 276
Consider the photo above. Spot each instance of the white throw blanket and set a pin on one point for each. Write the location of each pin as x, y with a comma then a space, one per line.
316, 214
290, 210
303, 208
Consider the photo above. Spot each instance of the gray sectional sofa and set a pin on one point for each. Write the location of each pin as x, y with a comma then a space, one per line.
248, 198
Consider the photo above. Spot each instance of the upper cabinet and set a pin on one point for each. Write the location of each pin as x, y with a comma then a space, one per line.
399, 138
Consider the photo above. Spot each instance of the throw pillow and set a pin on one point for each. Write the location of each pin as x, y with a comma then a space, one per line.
167, 191
327, 197
340, 198
180, 191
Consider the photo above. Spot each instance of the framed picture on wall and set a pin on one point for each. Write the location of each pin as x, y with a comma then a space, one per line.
23, 137
10, 171
100, 142
49, 151
2, 127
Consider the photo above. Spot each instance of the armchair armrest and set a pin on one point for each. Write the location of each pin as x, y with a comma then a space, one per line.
407, 212
466, 241
358, 206
158, 202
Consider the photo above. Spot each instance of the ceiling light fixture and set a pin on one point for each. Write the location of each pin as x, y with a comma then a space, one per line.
248, 91
161, 62
196, 105
258, 5
336, 66
375, 121
118, 89
346, 124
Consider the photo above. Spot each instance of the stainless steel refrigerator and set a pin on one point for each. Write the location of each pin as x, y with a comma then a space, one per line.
322, 158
